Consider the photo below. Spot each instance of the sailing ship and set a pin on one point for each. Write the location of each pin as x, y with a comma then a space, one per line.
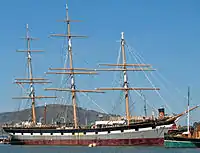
104, 133
188, 139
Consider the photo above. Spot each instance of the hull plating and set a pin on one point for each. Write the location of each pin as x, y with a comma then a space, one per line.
145, 136
181, 144
101, 142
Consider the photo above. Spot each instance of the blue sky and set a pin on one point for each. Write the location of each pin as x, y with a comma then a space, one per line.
165, 33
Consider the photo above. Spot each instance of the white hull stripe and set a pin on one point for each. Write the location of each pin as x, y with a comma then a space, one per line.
93, 133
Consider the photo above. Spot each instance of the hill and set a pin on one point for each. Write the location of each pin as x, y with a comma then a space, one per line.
55, 112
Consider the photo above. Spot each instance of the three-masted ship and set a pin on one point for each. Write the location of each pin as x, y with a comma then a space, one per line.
103, 133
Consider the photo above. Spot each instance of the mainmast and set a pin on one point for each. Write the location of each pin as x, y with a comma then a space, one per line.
30, 80
71, 67
71, 70
124, 69
125, 77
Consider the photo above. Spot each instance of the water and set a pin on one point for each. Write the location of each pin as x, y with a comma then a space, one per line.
63, 149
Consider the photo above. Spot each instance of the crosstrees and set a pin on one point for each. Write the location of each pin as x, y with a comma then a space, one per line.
68, 89
31, 79
145, 65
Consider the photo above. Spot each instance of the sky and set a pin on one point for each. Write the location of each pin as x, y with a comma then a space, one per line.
165, 33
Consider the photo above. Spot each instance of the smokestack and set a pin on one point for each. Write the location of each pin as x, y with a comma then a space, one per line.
161, 112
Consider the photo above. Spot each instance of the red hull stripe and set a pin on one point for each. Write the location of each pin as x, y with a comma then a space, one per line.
105, 142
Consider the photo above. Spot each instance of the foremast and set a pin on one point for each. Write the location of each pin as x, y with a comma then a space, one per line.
30, 80
124, 69
32, 88
125, 77
71, 70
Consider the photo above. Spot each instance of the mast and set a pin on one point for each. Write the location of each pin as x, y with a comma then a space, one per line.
145, 104
125, 77
124, 69
71, 70
71, 67
188, 113
30, 80
32, 89
145, 108
45, 113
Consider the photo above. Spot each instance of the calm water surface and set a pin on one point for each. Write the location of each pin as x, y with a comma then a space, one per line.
62, 149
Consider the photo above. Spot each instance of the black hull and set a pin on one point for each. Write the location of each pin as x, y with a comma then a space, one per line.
135, 126
181, 142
